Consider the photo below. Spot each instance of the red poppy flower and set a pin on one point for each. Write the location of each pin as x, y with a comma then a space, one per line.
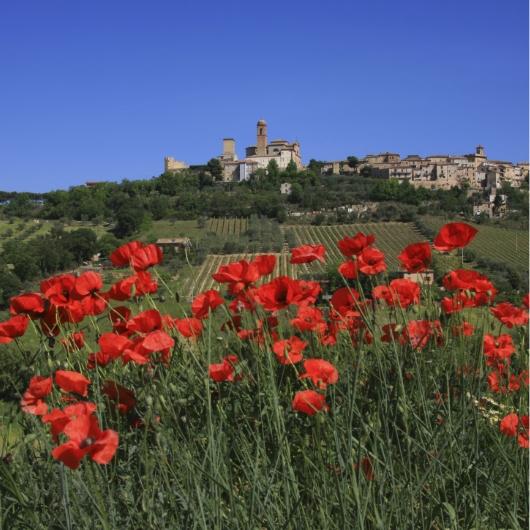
31, 304
498, 350
121, 290
508, 425
32, 400
419, 332
144, 283
112, 347
353, 246
289, 351
158, 341
59, 289
502, 382
309, 402
265, 263
87, 283
349, 269
371, 261
189, 327
72, 382
145, 257
345, 300
239, 275
86, 438
308, 319
400, 292
58, 419
206, 302
456, 303
322, 373
306, 292
224, 371
468, 280
145, 322
14, 327
308, 253
510, 315
124, 398
137, 354
416, 257
121, 257
278, 293
454, 235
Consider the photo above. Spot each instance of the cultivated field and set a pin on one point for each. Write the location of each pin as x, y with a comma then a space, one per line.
390, 238
24, 230
172, 228
226, 226
505, 245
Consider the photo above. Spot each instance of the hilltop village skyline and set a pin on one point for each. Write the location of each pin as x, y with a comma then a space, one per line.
436, 171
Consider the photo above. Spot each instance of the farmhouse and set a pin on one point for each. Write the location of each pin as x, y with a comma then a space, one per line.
174, 244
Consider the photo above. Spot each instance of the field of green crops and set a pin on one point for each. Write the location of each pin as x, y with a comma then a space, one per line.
225, 226
505, 245
172, 228
28, 229
390, 238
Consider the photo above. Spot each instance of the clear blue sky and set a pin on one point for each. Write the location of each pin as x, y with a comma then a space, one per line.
102, 90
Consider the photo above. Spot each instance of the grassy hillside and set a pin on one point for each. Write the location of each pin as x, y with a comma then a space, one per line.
505, 245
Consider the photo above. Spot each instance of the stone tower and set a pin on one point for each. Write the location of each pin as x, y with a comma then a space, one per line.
229, 149
479, 151
261, 144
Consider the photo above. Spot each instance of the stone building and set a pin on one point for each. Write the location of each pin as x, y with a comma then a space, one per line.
171, 165
446, 171
258, 156
173, 244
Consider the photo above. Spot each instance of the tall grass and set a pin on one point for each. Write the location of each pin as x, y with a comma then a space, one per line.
236, 456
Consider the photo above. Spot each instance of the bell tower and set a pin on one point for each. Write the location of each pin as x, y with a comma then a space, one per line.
261, 144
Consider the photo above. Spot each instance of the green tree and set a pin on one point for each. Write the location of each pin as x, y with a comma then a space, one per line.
353, 161
81, 243
159, 206
215, 169
273, 170
106, 244
291, 170
128, 220
10, 285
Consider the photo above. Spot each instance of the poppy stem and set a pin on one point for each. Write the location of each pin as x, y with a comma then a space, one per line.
66, 498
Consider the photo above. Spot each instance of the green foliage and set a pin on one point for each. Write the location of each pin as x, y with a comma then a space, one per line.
273, 171
353, 161
129, 219
215, 169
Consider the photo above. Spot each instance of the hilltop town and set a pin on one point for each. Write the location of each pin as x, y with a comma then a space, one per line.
473, 171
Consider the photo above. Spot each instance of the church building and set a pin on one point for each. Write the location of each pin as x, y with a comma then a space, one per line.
257, 156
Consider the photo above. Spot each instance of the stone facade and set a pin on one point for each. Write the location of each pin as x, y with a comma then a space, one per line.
172, 165
446, 171
258, 156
